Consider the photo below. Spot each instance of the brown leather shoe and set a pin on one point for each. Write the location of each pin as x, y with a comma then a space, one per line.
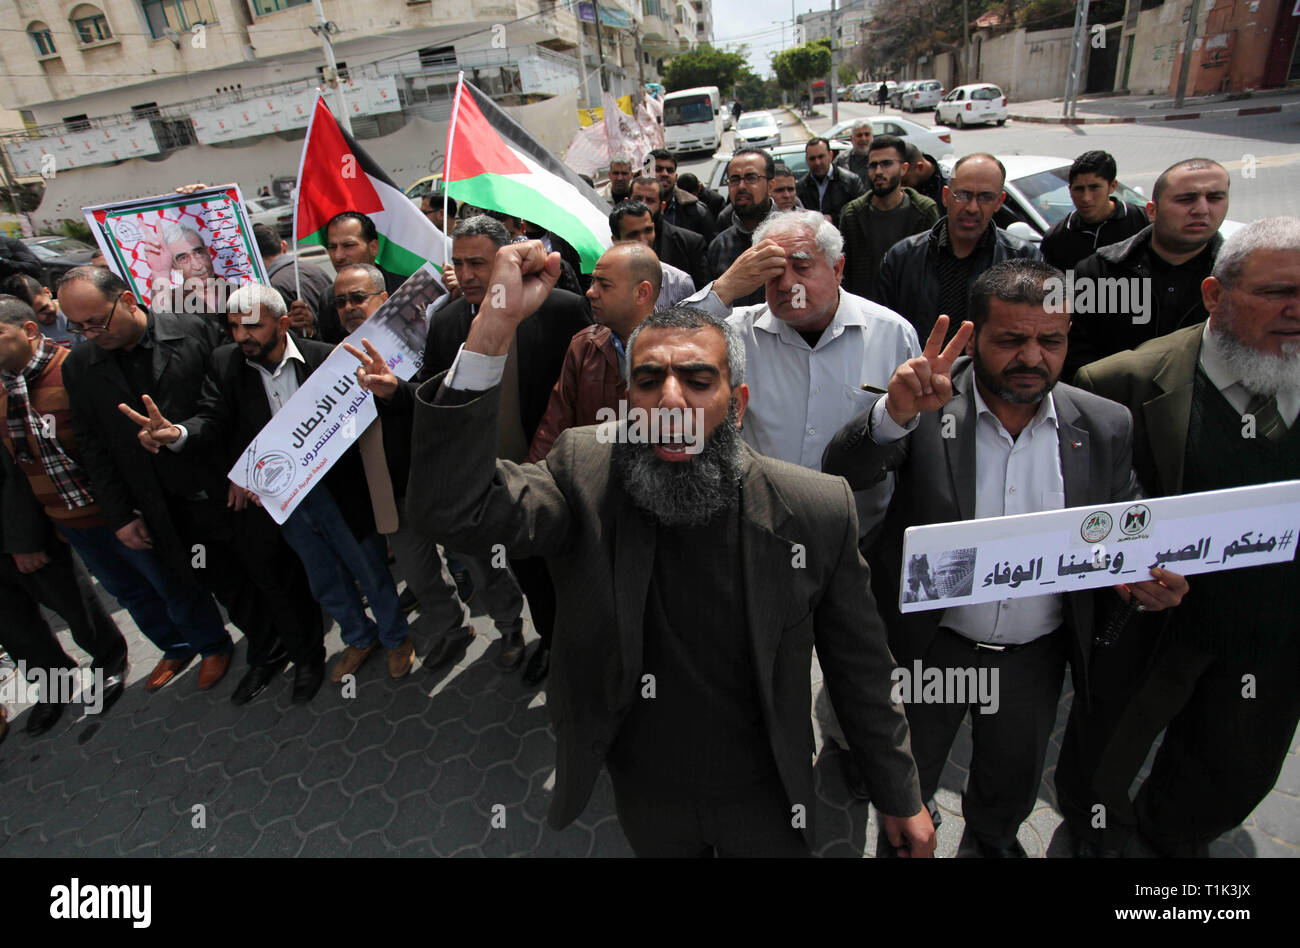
401, 659
213, 669
353, 658
165, 671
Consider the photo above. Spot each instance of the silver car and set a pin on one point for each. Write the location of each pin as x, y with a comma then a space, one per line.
758, 130
922, 95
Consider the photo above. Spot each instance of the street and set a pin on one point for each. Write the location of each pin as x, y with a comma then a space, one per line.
1261, 151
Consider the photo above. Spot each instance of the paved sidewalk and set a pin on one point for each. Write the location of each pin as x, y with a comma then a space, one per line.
455, 763
1111, 110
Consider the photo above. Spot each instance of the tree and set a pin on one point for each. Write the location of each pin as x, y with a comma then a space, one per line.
794, 67
704, 66
848, 74
750, 91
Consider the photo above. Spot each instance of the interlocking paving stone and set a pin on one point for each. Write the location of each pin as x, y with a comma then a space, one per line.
412, 774
536, 753
415, 818
329, 763
184, 838
250, 753
370, 769
155, 822
258, 717
489, 710
98, 770
458, 779
371, 731
411, 736
235, 836
214, 750
279, 839
128, 777
201, 788
576, 840
239, 795
165, 781
370, 845
70, 815
322, 843
461, 826
325, 805
290, 757
409, 701
454, 740
284, 798
370, 809
180, 744
112, 820
330, 729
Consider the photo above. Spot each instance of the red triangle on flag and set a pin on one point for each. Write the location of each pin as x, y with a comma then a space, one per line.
479, 149
332, 180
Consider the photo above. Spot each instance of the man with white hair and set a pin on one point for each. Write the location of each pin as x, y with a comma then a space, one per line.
180, 247
333, 528
1214, 406
856, 158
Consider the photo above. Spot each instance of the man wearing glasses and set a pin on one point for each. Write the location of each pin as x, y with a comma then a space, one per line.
749, 176
881, 218
932, 273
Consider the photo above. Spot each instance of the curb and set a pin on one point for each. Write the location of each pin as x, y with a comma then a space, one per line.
1169, 117
800, 119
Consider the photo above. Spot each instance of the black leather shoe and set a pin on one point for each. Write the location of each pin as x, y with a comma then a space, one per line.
307, 680
114, 687
449, 649
539, 666
256, 680
407, 601
511, 655
987, 851
42, 717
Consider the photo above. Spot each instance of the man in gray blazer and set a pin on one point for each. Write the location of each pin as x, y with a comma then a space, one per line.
693, 576
989, 436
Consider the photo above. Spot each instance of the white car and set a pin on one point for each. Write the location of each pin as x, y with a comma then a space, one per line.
921, 96
265, 210
968, 105
864, 92
758, 130
1038, 195
935, 141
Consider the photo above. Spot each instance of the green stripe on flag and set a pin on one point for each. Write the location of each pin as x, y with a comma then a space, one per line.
395, 258
514, 196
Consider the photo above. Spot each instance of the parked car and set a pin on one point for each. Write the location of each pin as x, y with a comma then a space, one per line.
58, 255
863, 92
922, 95
430, 182
935, 141
981, 102
791, 155
758, 130
266, 210
1038, 195
896, 93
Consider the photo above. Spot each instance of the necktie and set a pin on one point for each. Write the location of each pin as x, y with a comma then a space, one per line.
1268, 420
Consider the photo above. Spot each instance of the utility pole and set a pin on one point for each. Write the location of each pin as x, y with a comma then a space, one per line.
1185, 66
835, 79
965, 47
600, 50
1078, 44
323, 28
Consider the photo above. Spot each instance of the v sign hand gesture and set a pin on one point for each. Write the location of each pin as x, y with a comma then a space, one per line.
155, 430
923, 383
373, 374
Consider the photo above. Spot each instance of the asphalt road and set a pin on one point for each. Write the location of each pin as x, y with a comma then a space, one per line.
1262, 151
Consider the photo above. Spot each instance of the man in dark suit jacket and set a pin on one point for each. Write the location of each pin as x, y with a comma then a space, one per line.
538, 358
1214, 406
332, 530
720, 759
1017, 442
676, 246
163, 502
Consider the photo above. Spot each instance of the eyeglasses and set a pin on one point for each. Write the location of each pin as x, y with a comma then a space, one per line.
356, 298
984, 197
749, 179
94, 329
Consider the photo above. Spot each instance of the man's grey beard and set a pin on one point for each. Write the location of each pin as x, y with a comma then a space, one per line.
1262, 373
684, 493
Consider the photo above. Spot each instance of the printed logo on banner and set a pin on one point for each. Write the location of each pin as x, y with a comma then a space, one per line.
273, 473
1096, 526
1135, 520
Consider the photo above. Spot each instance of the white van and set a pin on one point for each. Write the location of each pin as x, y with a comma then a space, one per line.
693, 120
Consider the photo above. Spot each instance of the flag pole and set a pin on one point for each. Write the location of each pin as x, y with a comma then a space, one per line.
297, 187
451, 137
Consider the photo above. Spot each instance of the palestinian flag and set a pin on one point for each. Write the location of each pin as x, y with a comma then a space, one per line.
336, 175
492, 162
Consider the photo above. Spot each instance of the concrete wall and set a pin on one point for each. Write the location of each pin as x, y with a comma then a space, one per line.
1155, 42
1231, 50
1026, 65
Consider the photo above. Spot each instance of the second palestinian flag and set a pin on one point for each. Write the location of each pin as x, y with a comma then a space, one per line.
494, 163
336, 175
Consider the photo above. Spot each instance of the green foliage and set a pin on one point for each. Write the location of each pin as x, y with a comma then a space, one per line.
704, 66
793, 67
78, 230
848, 74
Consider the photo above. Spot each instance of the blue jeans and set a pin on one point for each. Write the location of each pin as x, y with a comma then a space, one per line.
337, 563
181, 620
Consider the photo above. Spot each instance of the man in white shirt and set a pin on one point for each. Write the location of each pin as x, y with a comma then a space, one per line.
816, 355
988, 436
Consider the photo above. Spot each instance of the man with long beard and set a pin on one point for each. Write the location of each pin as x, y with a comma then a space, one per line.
693, 577
1214, 405
883, 216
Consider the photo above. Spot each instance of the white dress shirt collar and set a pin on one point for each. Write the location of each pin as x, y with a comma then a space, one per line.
1046, 410
290, 352
844, 316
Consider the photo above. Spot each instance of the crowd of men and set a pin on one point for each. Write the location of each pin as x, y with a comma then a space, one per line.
868, 351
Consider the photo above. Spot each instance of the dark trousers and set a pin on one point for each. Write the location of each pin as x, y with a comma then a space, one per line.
253, 573
675, 824
63, 586
179, 618
1223, 748
535, 582
1009, 745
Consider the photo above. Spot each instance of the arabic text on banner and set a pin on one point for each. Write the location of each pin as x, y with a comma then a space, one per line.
974, 561
329, 411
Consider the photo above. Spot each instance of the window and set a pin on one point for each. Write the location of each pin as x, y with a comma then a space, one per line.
262, 7
342, 72
177, 15
76, 123
42, 39
438, 57
90, 24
